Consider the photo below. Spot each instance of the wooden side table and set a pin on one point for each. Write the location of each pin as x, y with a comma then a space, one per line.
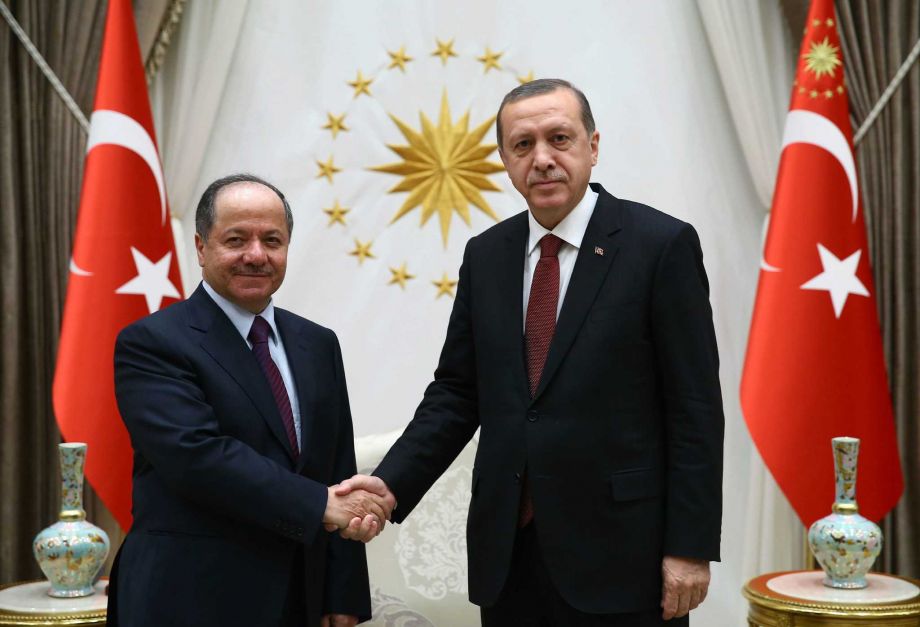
800, 599
29, 604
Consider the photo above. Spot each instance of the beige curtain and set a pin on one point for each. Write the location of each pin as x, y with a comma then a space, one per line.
877, 37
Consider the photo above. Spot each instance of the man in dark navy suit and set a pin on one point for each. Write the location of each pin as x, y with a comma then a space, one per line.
239, 418
581, 343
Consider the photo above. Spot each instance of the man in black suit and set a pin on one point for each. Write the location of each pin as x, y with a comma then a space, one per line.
581, 344
239, 418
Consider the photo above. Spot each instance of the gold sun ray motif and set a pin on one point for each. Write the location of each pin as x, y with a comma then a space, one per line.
444, 168
822, 58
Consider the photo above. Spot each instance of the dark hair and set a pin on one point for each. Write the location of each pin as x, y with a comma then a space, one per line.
540, 87
205, 213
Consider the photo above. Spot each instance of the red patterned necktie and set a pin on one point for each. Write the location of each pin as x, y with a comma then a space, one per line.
538, 332
258, 335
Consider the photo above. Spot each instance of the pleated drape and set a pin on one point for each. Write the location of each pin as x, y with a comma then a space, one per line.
877, 37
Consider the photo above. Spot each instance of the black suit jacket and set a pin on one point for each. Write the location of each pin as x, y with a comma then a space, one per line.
622, 443
222, 516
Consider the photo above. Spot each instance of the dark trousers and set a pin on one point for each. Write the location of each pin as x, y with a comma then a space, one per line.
529, 598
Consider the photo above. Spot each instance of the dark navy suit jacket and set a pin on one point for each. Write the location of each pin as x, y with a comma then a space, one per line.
223, 517
622, 442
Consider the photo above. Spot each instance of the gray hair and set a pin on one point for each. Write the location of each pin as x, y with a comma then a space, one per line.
205, 214
540, 87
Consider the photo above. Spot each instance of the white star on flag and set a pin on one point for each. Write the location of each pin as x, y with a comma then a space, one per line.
839, 278
152, 280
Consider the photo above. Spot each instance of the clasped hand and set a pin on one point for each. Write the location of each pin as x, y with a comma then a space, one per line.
359, 508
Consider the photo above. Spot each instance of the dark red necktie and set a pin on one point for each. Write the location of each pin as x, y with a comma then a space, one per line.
258, 335
538, 332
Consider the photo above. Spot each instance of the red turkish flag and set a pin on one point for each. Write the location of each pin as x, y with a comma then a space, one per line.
124, 261
814, 367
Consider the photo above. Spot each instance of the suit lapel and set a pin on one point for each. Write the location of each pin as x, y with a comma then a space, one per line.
301, 358
595, 257
510, 271
225, 345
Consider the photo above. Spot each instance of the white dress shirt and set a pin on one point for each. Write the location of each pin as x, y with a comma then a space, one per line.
243, 320
571, 231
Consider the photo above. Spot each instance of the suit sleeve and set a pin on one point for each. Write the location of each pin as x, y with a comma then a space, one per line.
173, 427
347, 590
448, 415
688, 367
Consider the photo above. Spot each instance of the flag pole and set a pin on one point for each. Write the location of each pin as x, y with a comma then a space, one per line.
808, 557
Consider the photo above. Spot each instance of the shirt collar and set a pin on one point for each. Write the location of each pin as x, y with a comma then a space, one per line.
572, 228
241, 318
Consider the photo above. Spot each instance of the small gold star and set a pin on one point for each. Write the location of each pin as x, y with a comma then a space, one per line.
839, 89
828, 94
445, 50
399, 59
445, 286
829, 22
490, 59
816, 22
327, 169
400, 276
361, 85
336, 213
335, 123
801, 90
813, 93
526, 78
362, 251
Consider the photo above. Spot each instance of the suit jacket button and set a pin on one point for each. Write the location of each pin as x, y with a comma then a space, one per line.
532, 415
517, 477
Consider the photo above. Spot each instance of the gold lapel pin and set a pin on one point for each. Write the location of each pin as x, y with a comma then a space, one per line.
599, 251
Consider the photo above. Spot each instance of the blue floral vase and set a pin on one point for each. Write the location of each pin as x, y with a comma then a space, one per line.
71, 552
845, 543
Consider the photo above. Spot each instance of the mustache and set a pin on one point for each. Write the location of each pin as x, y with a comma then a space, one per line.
549, 177
247, 268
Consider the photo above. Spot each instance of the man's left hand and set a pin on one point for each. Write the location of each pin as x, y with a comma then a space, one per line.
684, 585
338, 620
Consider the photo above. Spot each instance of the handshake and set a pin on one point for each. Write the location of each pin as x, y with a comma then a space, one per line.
359, 508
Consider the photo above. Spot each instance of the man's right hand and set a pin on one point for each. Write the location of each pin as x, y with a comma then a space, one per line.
358, 529
358, 514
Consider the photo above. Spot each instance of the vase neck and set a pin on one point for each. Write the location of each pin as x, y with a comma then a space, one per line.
73, 457
846, 452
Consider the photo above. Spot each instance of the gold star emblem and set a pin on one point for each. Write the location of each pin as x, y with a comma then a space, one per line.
829, 22
335, 123
327, 169
336, 213
822, 58
445, 50
816, 22
399, 59
444, 167
445, 286
839, 89
490, 59
828, 94
361, 85
400, 276
526, 78
813, 93
362, 251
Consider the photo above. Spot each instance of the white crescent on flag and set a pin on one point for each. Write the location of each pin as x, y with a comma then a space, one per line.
808, 127
112, 127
